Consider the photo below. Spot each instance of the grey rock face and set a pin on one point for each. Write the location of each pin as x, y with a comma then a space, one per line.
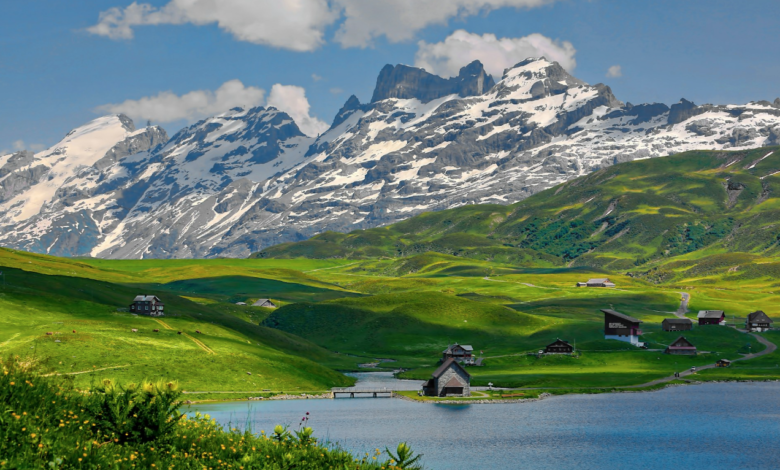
406, 82
236, 183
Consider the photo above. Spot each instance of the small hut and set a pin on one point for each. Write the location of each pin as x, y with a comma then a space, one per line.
711, 317
597, 282
559, 346
723, 363
681, 346
677, 324
267, 303
147, 305
450, 379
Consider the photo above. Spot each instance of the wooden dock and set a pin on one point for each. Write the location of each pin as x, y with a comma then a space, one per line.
357, 392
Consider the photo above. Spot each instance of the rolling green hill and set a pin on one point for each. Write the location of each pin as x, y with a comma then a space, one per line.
694, 215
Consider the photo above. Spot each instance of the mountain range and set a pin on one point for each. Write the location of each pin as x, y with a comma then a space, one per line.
244, 180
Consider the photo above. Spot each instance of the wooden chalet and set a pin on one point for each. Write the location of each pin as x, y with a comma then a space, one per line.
449, 380
600, 282
147, 305
723, 363
559, 347
622, 327
267, 303
681, 346
758, 321
711, 317
677, 324
459, 352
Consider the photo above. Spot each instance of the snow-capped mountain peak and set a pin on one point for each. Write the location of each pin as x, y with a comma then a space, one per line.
248, 178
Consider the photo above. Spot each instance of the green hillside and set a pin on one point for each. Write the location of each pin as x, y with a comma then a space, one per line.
694, 215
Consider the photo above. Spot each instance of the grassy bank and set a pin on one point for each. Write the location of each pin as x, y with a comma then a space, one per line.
47, 423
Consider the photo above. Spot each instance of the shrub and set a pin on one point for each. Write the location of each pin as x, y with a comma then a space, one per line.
46, 423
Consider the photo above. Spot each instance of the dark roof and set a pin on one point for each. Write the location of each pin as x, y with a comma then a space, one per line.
710, 314
621, 315
145, 298
260, 302
683, 321
759, 317
681, 342
559, 341
724, 360
446, 365
465, 347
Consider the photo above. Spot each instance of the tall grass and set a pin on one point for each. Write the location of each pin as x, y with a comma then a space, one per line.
46, 423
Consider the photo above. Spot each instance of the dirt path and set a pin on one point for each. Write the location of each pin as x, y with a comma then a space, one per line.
770, 348
683, 305
198, 342
85, 371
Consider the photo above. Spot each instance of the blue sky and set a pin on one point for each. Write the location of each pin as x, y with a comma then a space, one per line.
61, 64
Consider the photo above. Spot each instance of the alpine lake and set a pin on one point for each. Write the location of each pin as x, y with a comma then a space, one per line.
706, 426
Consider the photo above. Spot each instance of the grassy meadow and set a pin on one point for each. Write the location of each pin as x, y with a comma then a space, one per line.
501, 278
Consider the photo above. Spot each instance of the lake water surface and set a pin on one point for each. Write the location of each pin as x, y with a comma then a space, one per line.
711, 426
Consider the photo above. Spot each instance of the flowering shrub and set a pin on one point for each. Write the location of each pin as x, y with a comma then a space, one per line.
46, 423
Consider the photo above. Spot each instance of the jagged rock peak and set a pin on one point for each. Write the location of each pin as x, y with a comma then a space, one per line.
405, 82
352, 105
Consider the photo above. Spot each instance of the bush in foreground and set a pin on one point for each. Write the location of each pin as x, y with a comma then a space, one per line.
46, 423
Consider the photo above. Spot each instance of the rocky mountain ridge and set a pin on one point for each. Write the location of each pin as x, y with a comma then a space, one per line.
238, 182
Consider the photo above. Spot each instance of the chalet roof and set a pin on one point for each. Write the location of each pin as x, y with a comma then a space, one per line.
146, 298
710, 314
681, 342
466, 347
759, 317
682, 321
559, 341
724, 360
450, 362
260, 302
621, 315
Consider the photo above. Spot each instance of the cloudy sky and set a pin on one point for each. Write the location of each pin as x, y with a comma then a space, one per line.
175, 61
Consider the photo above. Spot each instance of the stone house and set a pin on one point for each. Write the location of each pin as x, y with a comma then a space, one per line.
449, 380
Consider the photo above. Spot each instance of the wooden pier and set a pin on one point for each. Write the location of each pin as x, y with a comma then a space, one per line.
356, 392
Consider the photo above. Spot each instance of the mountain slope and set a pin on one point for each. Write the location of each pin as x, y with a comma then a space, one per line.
248, 179
720, 207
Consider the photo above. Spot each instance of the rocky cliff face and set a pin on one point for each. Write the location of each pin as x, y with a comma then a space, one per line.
241, 181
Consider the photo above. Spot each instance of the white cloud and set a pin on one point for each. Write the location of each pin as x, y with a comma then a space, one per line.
336, 91
399, 20
292, 100
316, 77
461, 48
299, 25
168, 107
615, 71
289, 24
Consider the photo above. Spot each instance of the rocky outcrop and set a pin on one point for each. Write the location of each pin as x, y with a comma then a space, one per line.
404, 82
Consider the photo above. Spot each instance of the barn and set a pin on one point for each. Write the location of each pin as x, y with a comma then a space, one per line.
711, 317
677, 324
459, 352
147, 305
267, 303
450, 379
758, 321
559, 346
598, 282
622, 327
681, 346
